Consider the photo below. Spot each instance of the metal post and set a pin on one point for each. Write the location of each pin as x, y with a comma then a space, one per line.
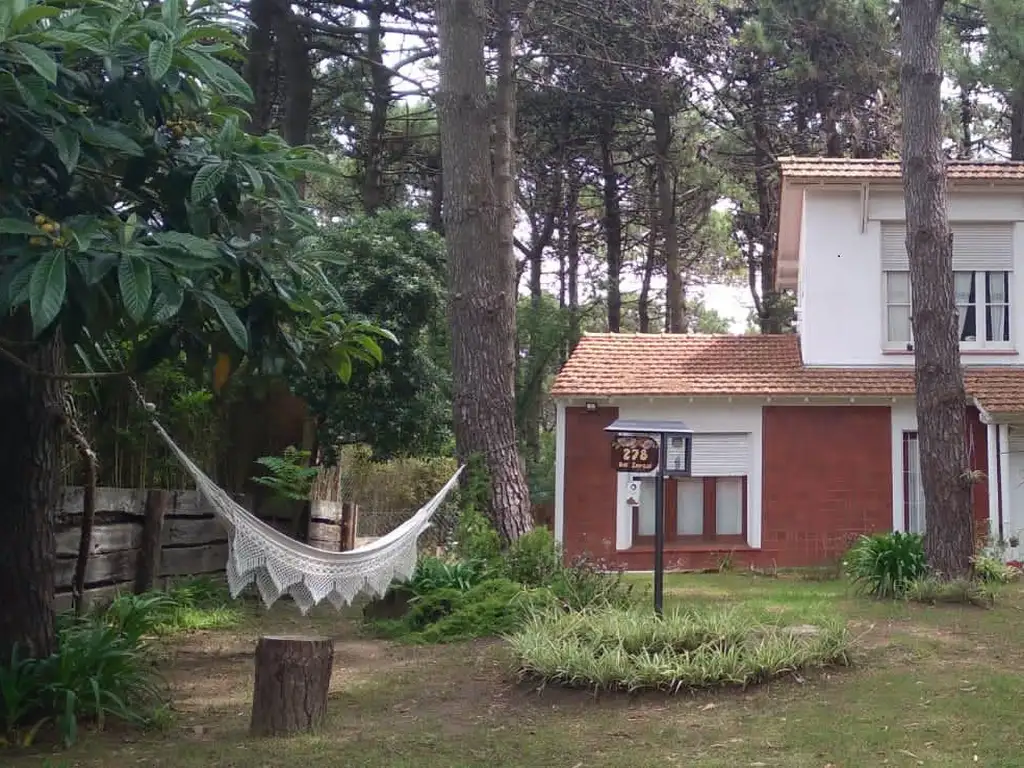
659, 531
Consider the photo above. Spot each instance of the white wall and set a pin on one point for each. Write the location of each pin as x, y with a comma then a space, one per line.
700, 417
904, 419
841, 317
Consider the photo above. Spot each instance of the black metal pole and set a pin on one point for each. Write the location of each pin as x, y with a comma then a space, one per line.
659, 530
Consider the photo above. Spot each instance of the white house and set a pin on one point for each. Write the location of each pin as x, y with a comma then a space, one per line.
801, 442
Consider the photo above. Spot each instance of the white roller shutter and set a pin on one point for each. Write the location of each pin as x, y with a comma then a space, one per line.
1016, 441
976, 246
720, 455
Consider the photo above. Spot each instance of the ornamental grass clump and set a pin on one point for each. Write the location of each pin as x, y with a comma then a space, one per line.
886, 564
632, 649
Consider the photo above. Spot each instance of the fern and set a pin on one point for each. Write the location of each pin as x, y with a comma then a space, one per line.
289, 477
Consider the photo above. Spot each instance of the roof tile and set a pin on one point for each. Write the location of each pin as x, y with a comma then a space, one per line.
848, 168
694, 365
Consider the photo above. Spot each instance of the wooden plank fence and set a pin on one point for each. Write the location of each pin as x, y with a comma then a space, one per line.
141, 539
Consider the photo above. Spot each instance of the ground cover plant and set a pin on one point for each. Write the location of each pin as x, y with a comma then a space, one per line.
106, 667
634, 649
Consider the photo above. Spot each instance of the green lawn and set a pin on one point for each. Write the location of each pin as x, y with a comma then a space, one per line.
932, 686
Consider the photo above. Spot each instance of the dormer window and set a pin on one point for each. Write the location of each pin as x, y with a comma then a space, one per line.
982, 264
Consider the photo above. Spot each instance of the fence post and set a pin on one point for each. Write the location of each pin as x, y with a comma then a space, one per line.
349, 524
148, 564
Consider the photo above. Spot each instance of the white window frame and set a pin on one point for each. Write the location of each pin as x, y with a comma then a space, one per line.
980, 313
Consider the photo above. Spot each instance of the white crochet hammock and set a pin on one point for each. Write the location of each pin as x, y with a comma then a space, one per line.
277, 564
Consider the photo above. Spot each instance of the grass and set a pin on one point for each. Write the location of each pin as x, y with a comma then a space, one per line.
931, 686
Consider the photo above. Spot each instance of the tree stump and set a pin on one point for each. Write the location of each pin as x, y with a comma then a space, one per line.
293, 674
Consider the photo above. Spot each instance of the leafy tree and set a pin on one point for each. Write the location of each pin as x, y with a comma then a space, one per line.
389, 271
134, 205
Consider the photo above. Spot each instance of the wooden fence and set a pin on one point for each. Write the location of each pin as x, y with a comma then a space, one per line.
141, 539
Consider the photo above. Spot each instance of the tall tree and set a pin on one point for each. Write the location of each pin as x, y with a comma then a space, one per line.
941, 396
481, 262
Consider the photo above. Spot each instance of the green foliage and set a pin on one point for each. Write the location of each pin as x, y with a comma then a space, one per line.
289, 476
993, 570
490, 608
388, 271
885, 564
104, 668
610, 649
932, 591
476, 540
435, 573
136, 206
534, 559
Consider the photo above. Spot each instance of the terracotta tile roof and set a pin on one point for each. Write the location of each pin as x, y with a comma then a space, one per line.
693, 365
846, 168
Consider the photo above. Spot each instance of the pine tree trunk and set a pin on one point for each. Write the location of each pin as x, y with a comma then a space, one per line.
612, 220
675, 322
30, 425
481, 264
941, 396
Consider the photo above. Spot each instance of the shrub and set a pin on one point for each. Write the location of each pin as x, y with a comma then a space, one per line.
199, 603
630, 650
884, 565
97, 673
586, 583
477, 542
534, 559
435, 573
991, 569
932, 591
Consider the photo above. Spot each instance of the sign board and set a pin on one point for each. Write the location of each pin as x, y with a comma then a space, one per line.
638, 454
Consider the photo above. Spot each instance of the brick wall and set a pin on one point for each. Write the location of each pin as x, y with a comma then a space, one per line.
591, 483
827, 479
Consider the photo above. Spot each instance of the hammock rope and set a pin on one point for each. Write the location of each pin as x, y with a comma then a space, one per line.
278, 565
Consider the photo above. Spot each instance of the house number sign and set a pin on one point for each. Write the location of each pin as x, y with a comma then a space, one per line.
635, 454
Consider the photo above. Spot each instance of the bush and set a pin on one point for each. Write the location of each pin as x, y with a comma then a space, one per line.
97, 673
630, 650
478, 543
196, 604
885, 564
992, 570
435, 573
534, 559
932, 591
491, 608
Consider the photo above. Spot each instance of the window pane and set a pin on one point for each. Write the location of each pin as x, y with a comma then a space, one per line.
963, 287
729, 506
998, 286
897, 287
899, 324
913, 487
997, 313
645, 523
690, 507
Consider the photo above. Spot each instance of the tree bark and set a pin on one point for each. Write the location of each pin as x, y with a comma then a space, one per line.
941, 396
612, 220
147, 567
380, 101
481, 262
31, 420
1016, 99
260, 65
675, 320
293, 676
651, 251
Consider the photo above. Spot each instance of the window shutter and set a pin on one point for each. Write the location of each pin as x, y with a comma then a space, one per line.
719, 455
976, 246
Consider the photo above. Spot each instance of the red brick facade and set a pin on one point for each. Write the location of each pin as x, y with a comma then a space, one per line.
827, 478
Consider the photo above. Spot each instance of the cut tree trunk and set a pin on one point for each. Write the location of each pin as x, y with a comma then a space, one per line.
293, 676
481, 262
941, 397
31, 429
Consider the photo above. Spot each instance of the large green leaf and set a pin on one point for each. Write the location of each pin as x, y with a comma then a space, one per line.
109, 138
160, 54
32, 14
17, 227
221, 75
229, 319
38, 59
169, 299
136, 281
197, 246
204, 185
47, 288
68, 145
